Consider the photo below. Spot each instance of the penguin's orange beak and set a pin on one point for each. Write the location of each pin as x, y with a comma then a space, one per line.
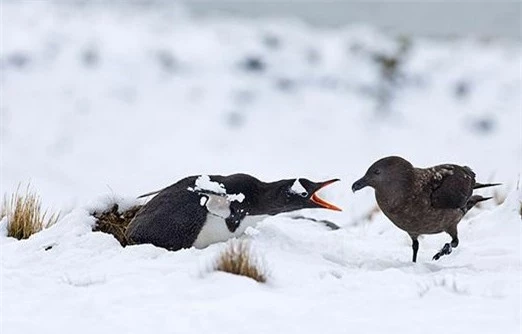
321, 202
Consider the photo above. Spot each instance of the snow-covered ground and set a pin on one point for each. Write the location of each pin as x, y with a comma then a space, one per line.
108, 102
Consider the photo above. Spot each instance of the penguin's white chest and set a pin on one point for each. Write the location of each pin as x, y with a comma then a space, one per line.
215, 230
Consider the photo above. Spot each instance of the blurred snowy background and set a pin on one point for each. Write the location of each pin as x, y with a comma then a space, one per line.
124, 98
127, 97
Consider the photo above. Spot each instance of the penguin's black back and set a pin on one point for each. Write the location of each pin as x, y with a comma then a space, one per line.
172, 219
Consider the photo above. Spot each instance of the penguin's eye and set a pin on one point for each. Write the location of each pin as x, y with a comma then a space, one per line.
303, 194
376, 172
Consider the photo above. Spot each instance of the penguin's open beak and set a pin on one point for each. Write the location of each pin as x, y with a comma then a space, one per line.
321, 202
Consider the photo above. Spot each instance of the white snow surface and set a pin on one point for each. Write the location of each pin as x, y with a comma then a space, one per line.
215, 230
100, 104
357, 279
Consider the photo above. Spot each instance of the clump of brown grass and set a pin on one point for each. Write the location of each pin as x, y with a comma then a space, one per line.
238, 259
114, 222
24, 214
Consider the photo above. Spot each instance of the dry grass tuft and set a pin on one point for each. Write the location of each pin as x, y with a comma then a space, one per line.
114, 222
238, 259
24, 214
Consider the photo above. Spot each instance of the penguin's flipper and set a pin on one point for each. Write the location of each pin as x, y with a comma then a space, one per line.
172, 220
237, 213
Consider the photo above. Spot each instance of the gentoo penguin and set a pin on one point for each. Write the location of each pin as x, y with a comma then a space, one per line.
201, 210
423, 200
